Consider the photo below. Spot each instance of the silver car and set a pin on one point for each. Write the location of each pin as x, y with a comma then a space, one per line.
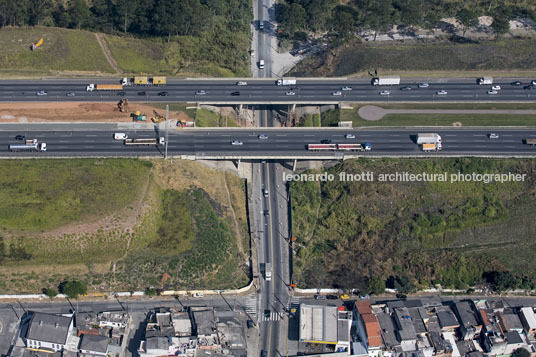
385, 92
290, 93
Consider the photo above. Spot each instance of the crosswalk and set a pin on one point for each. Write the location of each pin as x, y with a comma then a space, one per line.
251, 306
274, 316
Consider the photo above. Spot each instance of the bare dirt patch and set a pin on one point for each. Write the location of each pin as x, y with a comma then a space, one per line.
75, 112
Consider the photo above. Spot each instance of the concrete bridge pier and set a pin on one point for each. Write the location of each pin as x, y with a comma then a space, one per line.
237, 163
294, 164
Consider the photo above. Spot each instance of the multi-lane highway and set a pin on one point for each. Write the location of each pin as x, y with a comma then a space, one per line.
280, 143
258, 91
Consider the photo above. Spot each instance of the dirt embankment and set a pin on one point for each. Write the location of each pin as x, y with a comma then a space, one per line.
75, 112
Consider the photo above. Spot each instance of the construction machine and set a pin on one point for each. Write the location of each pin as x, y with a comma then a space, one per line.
138, 116
123, 105
157, 117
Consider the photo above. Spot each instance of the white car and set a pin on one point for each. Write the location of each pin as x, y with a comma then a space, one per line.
385, 92
533, 82
497, 87
41, 92
441, 92
423, 85
263, 136
290, 93
336, 93
236, 142
197, 295
200, 92
120, 136
349, 136
493, 136
492, 92
241, 83
346, 88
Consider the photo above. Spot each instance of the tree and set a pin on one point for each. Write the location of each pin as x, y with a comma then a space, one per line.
500, 25
501, 280
73, 288
50, 292
79, 13
521, 352
467, 18
150, 291
376, 285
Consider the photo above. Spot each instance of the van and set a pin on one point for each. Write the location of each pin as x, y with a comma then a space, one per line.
120, 136
261, 25
261, 64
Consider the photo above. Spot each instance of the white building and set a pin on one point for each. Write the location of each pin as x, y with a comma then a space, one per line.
49, 332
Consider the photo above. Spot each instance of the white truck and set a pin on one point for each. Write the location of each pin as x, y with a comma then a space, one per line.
261, 64
286, 82
268, 271
386, 81
427, 139
484, 80
30, 145
153, 141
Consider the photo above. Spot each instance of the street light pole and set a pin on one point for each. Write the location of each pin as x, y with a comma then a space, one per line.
167, 136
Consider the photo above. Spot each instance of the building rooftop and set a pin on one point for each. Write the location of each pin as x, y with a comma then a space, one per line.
204, 321
466, 314
49, 328
94, 343
513, 338
406, 331
372, 327
447, 319
388, 329
528, 313
511, 322
318, 323
416, 319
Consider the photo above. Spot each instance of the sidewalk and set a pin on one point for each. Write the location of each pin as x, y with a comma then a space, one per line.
373, 113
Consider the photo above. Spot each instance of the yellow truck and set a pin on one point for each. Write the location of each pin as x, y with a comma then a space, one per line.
530, 142
159, 81
141, 80
430, 147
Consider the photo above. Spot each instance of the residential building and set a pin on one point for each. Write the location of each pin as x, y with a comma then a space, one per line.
49, 332
92, 345
469, 324
528, 319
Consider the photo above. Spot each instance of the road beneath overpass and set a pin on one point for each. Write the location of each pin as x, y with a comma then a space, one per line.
280, 144
265, 91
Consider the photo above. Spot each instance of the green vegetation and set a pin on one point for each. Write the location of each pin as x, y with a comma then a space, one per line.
73, 289
415, 234
202, 265
434, 119
207, 118
43, 195
62, 50
357, 57
132, 224
309, 120
521, 352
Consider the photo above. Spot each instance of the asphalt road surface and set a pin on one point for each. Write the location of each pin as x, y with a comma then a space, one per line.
266, 91
288, 143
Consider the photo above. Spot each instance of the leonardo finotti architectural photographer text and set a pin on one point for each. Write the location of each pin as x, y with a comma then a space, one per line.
407, 177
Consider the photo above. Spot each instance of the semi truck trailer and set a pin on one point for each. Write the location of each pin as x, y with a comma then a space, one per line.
152, 141
530, 142
484, 80
92, 87
42, 147
428, 138
286, 82
386, 81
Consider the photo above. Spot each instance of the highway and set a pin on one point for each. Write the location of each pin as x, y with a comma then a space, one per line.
281, 143
259, 91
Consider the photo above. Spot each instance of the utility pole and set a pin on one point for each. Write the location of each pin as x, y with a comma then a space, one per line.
167, 136
126, 15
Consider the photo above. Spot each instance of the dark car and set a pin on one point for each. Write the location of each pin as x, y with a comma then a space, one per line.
264, 354
163, 94
141, 93
20, 137
71, 94
235, 93
122, 93
267, 314
405, 88
250, 324
332, 297
325, 141
401, 296
530, 86
516, 83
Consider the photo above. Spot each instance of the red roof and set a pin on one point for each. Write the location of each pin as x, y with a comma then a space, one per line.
341, 308
363, 306
485, 318
373, 330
